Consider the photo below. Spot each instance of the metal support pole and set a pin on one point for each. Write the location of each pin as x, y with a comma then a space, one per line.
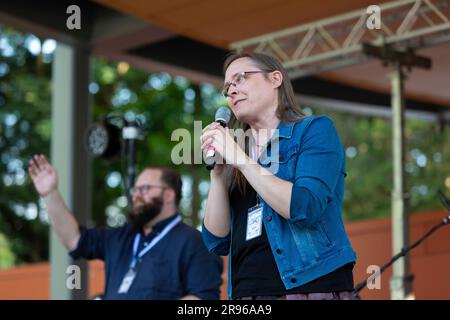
401, 284
70, 119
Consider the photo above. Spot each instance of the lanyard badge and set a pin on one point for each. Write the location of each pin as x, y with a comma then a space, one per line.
254, 221
131, 274
254, 215
127, 281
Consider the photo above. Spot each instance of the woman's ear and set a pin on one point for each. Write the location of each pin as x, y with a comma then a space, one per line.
277, 78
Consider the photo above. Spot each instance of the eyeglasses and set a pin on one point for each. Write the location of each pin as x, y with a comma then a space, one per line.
144, 189
238, 80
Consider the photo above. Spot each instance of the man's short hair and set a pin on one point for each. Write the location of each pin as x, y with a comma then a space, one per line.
171, 178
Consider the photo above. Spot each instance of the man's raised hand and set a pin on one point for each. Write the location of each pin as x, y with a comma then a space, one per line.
43, 175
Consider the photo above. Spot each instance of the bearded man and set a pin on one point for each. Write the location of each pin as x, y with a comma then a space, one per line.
154, 256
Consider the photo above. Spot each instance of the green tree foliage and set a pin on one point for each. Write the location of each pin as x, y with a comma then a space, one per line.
7, 257
25, 93
368, 145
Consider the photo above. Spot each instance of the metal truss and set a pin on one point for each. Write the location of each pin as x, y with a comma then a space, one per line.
337, 42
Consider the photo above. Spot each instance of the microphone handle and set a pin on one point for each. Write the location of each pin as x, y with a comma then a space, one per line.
211, 165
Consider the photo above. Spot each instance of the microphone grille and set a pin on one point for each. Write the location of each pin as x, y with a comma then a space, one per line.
223, 114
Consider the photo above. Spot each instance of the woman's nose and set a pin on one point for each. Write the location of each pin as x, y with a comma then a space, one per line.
232, 90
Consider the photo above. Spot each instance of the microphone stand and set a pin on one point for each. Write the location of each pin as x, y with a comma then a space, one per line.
404, 251
130, 135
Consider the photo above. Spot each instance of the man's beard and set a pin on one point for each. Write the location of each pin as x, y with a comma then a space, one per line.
139, 216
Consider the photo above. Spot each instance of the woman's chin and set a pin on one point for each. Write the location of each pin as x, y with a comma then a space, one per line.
240, 116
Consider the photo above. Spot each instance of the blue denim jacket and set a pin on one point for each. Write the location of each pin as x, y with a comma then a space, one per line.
313, 241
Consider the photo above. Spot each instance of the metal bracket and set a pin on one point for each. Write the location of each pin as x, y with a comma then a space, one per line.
337, 42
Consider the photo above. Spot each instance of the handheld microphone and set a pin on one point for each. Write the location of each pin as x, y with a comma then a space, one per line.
222, 116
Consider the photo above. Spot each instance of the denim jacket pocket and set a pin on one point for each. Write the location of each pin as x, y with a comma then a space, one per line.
324, 235
319, 243
317, 240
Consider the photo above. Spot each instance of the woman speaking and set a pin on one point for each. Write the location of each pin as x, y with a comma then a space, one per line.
275, 203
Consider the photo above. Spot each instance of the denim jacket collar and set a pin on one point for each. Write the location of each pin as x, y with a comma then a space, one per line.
285, 128
284, 131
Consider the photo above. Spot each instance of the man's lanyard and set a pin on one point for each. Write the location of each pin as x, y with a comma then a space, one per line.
147, 248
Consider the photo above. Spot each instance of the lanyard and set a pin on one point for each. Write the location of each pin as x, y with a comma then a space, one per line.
147, 248
253, 154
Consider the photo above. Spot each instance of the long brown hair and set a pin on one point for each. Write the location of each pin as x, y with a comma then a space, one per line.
288, 109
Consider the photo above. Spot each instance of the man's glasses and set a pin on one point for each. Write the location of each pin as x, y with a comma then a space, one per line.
144, 189
238, 80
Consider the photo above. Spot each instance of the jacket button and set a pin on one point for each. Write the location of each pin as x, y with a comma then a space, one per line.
269, 218
279, 251
293, 280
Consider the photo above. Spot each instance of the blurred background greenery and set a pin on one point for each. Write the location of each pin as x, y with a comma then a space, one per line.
163, 103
